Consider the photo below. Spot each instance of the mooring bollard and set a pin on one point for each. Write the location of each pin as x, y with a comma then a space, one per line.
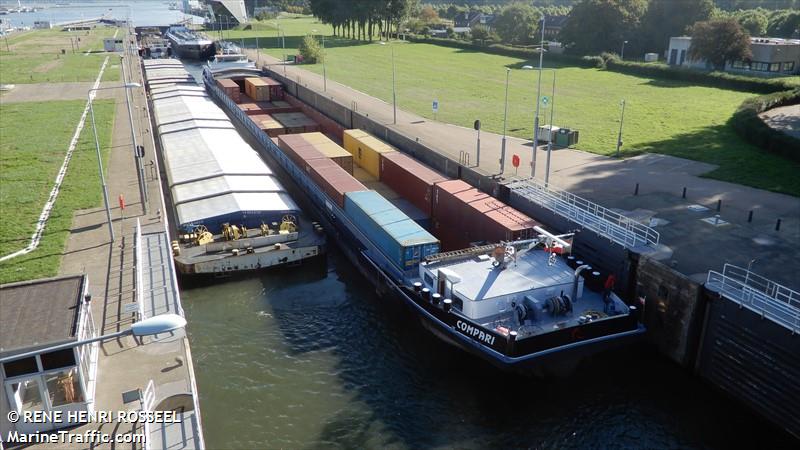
684, 192
750, 216
636, 190
719, 205
778, 225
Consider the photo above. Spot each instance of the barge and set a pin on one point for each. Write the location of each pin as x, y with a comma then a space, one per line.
188, 44
231, 212
486, 278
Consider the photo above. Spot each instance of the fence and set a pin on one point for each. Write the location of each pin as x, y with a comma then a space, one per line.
758, 294
616, 227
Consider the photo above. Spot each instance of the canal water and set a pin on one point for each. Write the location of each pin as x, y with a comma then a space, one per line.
139, 12
311, 357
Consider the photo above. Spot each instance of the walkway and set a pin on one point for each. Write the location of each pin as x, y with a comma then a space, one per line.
48, 92
698, 246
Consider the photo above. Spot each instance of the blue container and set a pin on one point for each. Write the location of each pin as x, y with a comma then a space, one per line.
400, 239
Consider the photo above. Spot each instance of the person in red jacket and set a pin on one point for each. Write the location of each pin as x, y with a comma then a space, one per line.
607, 288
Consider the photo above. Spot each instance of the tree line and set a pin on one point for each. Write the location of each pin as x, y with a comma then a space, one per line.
362, 19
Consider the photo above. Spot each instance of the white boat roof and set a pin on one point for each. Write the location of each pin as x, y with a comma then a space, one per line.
224, 184
172, 109
480, 280
222, 205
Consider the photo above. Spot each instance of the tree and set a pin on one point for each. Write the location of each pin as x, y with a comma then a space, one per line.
479, 33
667, 18
718, 41
310, 50
602, 25
516, 23
428, 15
754, 21
785, 24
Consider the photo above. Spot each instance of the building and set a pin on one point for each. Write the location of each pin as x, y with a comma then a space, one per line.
38, 315
42, 25
228, 13
112, 44
771, 57
553, 26
464, 22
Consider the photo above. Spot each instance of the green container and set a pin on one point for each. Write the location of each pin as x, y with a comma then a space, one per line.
562, 137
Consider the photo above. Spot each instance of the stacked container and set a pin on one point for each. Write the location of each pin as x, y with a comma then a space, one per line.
268, 124
296, 122
307, 146
231, 89
411, 179
462, 214
399, 238
333, 180
263, 89
366, 150
327, 125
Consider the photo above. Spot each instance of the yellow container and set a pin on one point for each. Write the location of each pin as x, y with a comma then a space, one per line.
316, 138
257, 89
366, 150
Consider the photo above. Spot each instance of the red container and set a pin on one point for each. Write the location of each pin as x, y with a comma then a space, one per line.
333, 180
298, 149
411, 179
326, 125
462, 214
275, 88
230, 88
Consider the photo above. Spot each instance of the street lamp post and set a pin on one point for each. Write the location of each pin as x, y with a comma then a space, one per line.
550, 132
505, 123
538, 96
97, 149
162, 323
622, 53
136, 155
394, 86
324, 74
621, 120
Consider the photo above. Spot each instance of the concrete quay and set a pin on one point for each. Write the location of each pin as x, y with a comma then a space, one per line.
160, 366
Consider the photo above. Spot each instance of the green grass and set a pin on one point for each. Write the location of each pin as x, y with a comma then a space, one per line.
36, 57
34, 137
661, 116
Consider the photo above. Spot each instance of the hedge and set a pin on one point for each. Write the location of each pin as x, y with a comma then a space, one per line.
650, 70
746, 122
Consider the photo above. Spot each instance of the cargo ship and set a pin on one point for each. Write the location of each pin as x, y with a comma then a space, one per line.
479, 274
185, 43
231, 212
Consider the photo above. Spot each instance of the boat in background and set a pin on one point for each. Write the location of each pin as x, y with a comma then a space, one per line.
188, 44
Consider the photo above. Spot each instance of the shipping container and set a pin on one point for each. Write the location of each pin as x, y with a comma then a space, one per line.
366, 150
327, 125
231, 89
411, 179
268, 124
412, 212
298, 149
274, 87
257, 89
332, 179
373, 184
463, 215
249, 107
398, 237
296, 122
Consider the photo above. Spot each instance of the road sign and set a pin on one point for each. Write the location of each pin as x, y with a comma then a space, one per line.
545, 100
436, 106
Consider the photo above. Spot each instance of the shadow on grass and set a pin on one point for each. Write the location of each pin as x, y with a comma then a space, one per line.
293, 42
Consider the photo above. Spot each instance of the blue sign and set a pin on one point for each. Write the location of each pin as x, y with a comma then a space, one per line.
436, 106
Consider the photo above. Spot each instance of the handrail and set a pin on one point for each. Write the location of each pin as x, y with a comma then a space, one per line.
146, 402
138, 264
618, 228
758, 294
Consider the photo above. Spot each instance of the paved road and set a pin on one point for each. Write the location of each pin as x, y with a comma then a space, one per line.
45, 92
697, 246
785, 118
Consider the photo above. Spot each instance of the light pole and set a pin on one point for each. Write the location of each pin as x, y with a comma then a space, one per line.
550, 132
283, 43
622, 53
394, 87
136, 155
536, 125
97, 148
505, 123
162, 323
538, 96
621, 120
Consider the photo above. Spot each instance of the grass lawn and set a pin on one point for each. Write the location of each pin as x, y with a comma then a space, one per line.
35, 56
661, 116
29, 163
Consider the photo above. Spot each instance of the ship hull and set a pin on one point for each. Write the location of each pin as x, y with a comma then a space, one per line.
200, 52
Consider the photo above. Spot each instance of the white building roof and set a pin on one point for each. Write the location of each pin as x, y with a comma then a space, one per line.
222, 205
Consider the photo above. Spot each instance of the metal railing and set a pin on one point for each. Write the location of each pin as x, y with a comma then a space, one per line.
147, 400
758, 294
138, 264
620, 229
